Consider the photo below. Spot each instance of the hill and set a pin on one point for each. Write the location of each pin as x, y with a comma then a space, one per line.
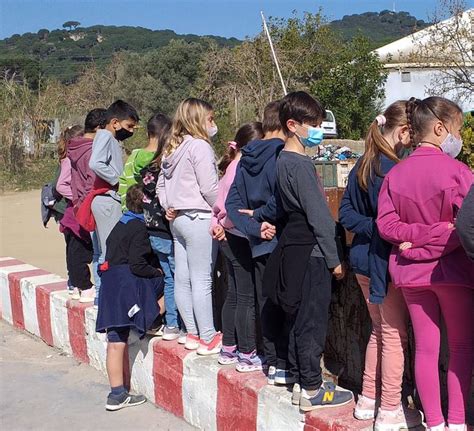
62, 53
380, 27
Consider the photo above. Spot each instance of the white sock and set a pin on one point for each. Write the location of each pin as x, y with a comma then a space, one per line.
439, 427
306, 395
457, 427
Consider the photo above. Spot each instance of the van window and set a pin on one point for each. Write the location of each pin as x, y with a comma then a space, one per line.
329, 117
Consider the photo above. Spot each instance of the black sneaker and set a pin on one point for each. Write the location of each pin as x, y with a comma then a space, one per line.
121, 401
327, 396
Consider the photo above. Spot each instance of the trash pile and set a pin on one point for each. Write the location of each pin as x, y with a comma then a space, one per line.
332, 153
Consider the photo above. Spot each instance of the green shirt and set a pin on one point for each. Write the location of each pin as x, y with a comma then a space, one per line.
131, 171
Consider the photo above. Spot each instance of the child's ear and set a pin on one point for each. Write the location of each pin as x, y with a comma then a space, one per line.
291, 125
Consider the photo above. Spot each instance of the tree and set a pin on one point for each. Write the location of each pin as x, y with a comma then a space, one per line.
43, 34
71, 25
448, 45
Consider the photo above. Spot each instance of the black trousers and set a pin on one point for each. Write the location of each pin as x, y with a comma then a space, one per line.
238, 312
275, 325
78, 257
309, 324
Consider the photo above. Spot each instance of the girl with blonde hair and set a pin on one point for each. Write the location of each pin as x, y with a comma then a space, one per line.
187, 191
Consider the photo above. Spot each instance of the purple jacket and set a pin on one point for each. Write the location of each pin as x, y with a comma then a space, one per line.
188, 179
419, 199
79, 151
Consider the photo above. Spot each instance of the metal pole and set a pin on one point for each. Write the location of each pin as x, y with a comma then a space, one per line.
273, 53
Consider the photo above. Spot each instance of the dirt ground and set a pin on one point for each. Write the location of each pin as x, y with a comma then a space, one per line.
23, 236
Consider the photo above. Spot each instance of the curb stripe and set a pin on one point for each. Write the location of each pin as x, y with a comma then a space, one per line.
77, 329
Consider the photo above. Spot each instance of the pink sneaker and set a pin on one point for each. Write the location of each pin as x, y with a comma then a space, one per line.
400, 418
87, 295
365, 408
192, 342
212, 347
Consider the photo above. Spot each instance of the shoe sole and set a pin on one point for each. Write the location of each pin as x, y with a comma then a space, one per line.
364, 417
295, 401
310, 408
227, 361
208, 352
86, 301
280, 381
182, 342
395, 427
170, 337
191, 347
249, 368
122, 406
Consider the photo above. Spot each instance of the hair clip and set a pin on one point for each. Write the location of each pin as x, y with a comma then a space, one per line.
232, 144
381, 120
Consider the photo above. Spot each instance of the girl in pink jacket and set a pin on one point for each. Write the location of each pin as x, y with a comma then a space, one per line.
238, 312
418, 204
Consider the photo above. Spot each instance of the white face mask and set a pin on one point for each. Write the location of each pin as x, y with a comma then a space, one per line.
451, 146
212, 131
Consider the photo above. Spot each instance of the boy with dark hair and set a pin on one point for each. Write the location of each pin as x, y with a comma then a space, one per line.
298, 274
106, 162
251, 206
131, 295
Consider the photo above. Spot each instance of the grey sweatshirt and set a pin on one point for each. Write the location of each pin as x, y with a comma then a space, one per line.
301, 190
106, 159
465, 223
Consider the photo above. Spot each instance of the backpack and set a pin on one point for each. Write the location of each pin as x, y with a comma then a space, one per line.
52, 203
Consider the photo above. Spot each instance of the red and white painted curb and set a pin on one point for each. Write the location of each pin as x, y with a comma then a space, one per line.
197, 389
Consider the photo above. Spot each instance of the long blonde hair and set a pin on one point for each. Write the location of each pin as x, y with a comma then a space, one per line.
376, 144
190, 119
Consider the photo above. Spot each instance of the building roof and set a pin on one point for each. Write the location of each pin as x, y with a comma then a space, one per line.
420, 49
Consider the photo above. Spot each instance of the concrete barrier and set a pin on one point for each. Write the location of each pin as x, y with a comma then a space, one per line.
197, 389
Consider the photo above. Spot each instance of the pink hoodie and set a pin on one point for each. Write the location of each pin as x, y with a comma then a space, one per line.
419, 198
219, 213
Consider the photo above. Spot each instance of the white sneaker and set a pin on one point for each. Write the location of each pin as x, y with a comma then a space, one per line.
87, 295
182, 337
440, 427
365, 408
76, 294
457, 427
400, 418
192, 342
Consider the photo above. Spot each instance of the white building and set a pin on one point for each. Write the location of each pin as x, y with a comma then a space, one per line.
424, 63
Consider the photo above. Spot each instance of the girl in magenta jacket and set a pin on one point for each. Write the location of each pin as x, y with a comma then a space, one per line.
417, 209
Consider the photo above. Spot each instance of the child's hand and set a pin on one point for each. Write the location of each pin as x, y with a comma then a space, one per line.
405, 246
267, 231
451, 226
171, 214
247, 212
218, 233
339, 272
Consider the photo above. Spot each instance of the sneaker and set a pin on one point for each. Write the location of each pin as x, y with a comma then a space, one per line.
212, 347
284, 377
249, 362
440, 427
192, 342
365, 408
70, 288
326, 396
157, 331
457, 427
122, 401
400, 418
182, 337
228, 355
170, 333
271, 375
296, 394
75, 294
87, 295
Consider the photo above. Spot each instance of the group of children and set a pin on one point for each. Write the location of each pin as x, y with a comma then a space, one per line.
156, 222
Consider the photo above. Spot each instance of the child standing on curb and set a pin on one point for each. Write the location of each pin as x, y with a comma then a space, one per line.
384, 358
131, 287
159, 127
298, 273
238, 312
418, 205
187, 190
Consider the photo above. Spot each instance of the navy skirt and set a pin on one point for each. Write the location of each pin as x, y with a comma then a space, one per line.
128, 301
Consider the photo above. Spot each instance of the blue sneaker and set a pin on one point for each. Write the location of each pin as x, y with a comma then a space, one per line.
284, 377
326, 396
228, 355
271, 375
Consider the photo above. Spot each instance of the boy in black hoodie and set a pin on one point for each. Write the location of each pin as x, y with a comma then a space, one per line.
252, 207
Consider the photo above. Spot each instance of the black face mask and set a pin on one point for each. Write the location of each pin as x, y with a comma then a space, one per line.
123, 134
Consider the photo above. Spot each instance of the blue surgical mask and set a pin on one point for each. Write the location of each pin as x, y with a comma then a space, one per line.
315, 136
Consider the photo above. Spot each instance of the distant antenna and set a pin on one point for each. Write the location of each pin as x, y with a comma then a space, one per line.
273, 53
394, 10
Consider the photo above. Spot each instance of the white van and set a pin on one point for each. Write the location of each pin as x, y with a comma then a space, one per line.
329, 125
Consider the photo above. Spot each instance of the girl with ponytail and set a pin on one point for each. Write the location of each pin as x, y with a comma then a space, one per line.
418, 206
387, 136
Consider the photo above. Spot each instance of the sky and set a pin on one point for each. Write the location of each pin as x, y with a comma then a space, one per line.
238, 18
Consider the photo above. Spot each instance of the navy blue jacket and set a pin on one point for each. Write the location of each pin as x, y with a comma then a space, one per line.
358, 211
254, 187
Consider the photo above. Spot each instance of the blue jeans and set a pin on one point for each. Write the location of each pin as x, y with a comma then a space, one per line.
164, 249
95, 264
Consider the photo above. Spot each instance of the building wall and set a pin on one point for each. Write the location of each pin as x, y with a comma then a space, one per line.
417, 86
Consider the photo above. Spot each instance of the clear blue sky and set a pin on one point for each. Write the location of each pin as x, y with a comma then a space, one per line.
228, 18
